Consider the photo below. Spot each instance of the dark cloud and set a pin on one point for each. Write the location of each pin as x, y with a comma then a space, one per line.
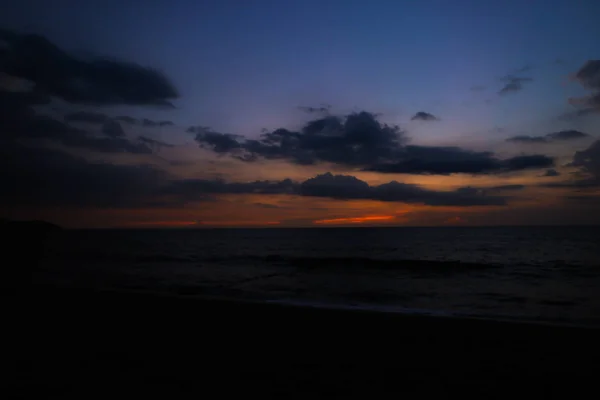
191, 189
86, 116
336, 186
323, 109
424, 116
449, 160
589, 161
150, 123
504, 188
340, 187
98, 81
551, 172
19, 121
17, 107
47, 177
571, 115
113, 129
588, 175
438, 160
567, 135
218, 142
513, 84
528, 139
357, 139
345, 187
520, 163
44, 177
590, 199
154, 144
126, 119
550, 137
589, 77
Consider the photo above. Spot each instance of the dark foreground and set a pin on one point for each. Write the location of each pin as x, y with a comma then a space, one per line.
88, 344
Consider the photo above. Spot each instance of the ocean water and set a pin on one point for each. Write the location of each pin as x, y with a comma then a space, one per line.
548, 274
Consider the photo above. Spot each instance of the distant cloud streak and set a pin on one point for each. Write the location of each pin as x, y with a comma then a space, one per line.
424, 116
513, 84
550, 137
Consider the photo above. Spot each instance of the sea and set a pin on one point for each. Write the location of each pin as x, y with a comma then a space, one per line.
541, 274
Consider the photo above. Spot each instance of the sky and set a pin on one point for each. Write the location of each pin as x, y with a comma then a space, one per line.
122, 114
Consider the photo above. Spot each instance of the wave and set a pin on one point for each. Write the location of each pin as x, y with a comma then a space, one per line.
122, 257
522, 270
306, 262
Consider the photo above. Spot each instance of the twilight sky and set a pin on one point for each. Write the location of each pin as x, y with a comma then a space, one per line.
300, 113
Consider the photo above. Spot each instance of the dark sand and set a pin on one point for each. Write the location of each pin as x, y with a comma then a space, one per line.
90, 344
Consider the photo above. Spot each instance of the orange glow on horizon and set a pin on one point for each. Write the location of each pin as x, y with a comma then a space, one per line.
355, 220
454, 220
238, 223
162, 224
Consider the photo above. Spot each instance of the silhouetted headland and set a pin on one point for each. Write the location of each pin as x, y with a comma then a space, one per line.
24, 242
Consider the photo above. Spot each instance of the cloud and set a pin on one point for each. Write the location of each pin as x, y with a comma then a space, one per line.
113, 129
449, 160
504, 188
345, 187
191, 189
96, 82
335, 186
513, 84
126, 119
86, 116
567, 135
339, 187
154, 144
218, 142
585, 199
45, 177
589, 77
550, 137
357, 139
150, 123
528, 139
323, 109
520, 163
551, 172
588, 175
589, 161
18, 120
571, 115
424, 116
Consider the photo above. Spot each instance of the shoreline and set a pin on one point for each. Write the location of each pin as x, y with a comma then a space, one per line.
76, 339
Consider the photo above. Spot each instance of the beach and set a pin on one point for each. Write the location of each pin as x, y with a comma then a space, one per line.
84, 343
